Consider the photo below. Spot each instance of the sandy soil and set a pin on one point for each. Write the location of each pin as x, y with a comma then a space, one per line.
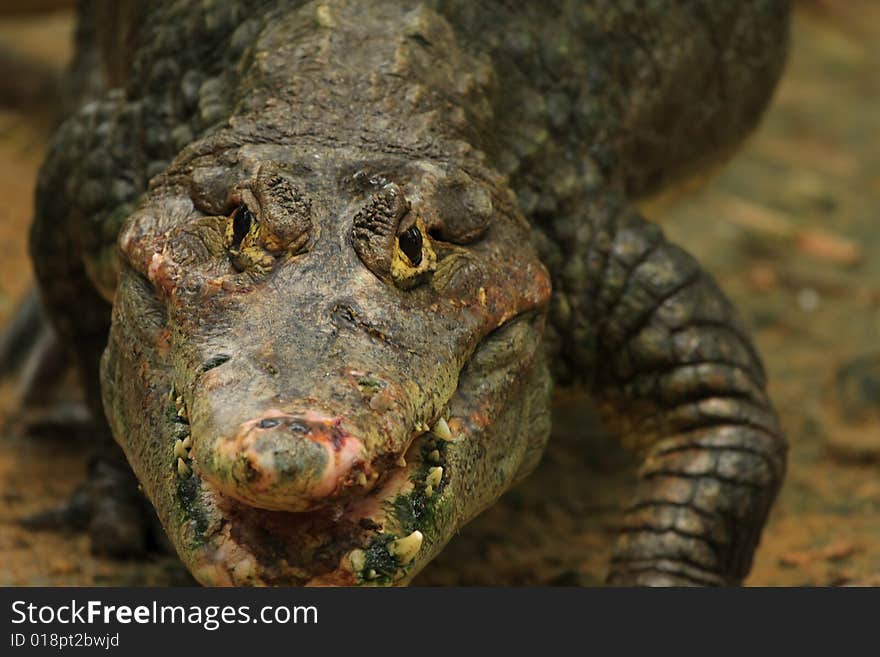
789, 228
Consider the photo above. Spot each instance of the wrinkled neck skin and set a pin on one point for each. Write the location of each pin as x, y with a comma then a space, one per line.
307, 398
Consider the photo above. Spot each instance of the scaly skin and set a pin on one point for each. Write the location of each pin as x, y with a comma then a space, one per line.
334, 235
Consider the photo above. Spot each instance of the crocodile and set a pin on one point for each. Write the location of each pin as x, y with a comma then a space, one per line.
320, 264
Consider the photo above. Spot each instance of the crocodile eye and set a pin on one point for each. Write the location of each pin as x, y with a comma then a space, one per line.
390, 252
411, 244
242, 221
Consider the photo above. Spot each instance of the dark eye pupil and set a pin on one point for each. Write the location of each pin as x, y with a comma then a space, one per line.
241, 224
411, 245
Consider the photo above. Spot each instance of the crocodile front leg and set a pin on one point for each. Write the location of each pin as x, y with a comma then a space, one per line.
675, 373
87, 186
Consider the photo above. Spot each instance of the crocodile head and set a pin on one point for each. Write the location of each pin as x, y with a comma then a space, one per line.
322, 364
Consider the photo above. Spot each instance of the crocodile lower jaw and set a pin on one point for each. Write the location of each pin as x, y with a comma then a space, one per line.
250, 546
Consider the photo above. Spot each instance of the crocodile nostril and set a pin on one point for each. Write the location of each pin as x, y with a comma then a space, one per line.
299, 427
294, 425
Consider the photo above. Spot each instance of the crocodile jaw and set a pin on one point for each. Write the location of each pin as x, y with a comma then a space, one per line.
365, 540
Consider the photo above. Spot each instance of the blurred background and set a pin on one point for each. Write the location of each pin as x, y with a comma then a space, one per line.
789, 228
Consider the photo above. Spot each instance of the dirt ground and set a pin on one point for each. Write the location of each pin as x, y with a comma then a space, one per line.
789, 228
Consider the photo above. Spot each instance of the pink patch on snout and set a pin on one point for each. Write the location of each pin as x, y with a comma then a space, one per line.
156, 265
160, 272
343, 450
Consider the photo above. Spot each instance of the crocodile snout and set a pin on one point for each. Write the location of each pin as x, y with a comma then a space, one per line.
283, 461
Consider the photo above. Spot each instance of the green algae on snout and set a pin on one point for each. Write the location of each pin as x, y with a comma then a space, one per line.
416, 511
369, 386
191, 510
380, 566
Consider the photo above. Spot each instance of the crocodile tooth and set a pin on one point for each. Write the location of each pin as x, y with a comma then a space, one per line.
435, 476
182, 468
405, 549
429, 491
362, 479
187, 442
358, 560
434, 456
441, 430
401, 462
178, 401
180, 449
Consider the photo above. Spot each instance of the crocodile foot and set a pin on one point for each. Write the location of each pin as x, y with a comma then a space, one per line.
110, 507
46, 398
